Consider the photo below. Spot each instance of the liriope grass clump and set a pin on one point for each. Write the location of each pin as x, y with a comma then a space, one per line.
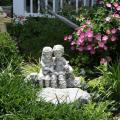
8, 52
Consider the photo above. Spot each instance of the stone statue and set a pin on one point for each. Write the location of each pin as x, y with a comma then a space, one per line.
55, 70
3, 20
56, 75
61, 67
47, 66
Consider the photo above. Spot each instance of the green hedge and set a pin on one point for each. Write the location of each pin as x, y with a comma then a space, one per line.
37, 33
8, 52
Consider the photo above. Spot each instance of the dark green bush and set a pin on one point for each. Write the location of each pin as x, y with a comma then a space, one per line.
8, 52
37, 33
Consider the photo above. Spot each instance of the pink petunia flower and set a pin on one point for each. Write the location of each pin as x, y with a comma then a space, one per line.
88, 22
73, 43
113, 31
118, 8
92, 52
115, 4
82, 35
116, 15
89, 47
118, 28
108, 5
108, 32
78, 32
105, 47
90, 39
105, 38
101, 44
98, 36
70, 37
89, 34
103, 61
113, 38
65, 38
81, 49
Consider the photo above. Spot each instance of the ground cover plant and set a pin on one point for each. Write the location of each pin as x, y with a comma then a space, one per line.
8, 52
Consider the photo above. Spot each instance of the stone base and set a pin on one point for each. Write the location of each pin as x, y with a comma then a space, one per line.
67, 95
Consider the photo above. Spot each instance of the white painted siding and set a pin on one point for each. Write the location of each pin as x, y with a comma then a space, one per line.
18, 7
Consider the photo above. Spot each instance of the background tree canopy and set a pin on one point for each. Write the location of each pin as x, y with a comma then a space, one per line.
5, 2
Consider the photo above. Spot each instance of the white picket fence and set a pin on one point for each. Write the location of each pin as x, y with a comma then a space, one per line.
19, 6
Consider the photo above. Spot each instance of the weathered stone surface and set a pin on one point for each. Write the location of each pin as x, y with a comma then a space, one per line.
67, 95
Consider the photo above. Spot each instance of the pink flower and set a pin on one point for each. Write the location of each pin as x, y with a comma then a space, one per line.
82, 35
118, 28
88, 22
90, 39
92, 51
79, 32
105, 47
108, 5
89, 47
118, 8
65, 38
81, 49
80, 39
113, 38
113, 31
70, 37
105, 38
116, 15
98, 36
107, 19
103, 61
101, 44
84, 26
73, 43
115, 4
89, 34
108, 32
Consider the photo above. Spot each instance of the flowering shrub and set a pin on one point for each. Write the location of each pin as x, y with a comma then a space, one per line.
19, 19
97, 34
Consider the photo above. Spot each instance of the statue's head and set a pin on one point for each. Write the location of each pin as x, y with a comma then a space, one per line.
58, 51
47, 52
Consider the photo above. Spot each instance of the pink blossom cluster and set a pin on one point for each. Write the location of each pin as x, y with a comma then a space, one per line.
115, 7
84, 39
19, 19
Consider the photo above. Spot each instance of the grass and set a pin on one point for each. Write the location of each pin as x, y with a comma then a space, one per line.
18, 102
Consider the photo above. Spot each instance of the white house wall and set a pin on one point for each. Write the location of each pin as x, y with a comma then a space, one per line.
18, 7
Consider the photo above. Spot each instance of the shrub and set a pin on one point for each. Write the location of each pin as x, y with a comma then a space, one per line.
36, 33
97, 36
8, 52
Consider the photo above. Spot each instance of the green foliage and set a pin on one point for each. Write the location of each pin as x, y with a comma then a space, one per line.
5, 2
8, 52
18, 102
36, 33
28, 68
107, 85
